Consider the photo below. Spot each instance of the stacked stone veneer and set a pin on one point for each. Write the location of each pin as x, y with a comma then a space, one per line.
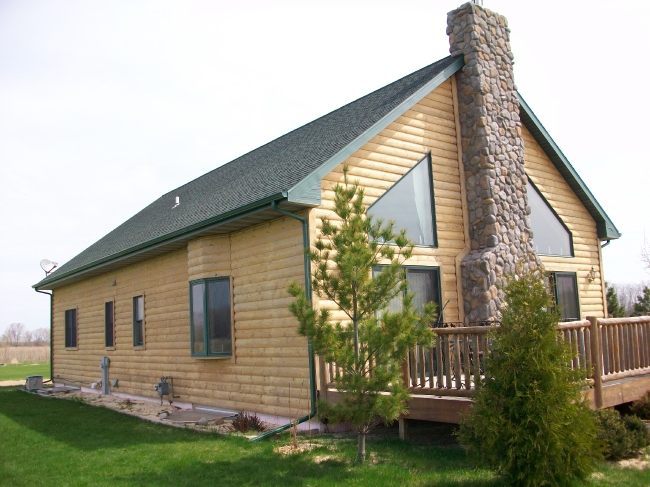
493, 158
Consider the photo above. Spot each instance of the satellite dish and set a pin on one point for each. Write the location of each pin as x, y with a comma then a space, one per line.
48, 266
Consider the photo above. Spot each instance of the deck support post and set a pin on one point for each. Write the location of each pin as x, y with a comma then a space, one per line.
403, 428
596, 359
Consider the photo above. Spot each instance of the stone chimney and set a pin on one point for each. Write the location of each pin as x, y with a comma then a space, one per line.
493, 157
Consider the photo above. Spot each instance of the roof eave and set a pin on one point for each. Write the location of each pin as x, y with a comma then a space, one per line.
605, 227
56, 280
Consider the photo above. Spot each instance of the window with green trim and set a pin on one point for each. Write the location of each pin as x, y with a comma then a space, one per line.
210, 318
424, 283
109, 324
138, 321
550, 235
564, 286
409, 203
71, 328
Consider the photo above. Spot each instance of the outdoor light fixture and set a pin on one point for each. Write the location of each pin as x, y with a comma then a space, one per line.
592, 274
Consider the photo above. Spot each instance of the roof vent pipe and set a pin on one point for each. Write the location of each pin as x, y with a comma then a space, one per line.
178, 202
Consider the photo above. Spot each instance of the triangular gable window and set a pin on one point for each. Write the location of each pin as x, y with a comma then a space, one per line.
409, 203
550, 235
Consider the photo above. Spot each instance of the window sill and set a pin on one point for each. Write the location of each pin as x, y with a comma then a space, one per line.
109, 348
212, 357
71, 349
139, 347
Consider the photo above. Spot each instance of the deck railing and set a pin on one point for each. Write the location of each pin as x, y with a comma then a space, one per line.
617, 348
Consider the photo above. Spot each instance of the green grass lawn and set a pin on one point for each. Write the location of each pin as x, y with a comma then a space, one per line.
46, 441
20, 371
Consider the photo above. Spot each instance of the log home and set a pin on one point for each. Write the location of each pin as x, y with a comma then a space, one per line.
194, 285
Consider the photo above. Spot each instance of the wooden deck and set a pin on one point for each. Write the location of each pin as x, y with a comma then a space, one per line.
614, 354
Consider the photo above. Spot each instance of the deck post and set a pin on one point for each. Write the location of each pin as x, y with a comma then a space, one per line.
403, 428
596, 365
406, 372
322, 378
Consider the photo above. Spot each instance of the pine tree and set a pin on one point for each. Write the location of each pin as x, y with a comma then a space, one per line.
530, 420
614, 309
370, 346
642, 304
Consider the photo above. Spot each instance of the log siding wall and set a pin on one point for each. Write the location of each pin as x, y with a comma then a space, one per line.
268, 357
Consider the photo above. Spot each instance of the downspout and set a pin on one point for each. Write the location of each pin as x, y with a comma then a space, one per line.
51, 342
310, 350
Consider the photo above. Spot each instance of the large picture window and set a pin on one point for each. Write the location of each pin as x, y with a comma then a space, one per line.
210, 318
564, 286
138, 321
550, 234
424, 283
70, 328
409, 203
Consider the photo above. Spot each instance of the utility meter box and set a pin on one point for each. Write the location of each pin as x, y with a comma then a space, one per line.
34, 382
162, 388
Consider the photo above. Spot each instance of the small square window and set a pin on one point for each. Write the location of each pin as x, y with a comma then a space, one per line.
138, 321
109, 324
71, 328
210, 318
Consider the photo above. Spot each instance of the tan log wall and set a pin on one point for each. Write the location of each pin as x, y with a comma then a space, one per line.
269, 355
575, 216
428, 126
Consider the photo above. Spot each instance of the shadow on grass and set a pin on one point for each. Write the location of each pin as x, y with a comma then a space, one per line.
300, 470
247, 470
83, 426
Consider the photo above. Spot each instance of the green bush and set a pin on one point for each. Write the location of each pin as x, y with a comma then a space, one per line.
530, 420
621, 436
641, 408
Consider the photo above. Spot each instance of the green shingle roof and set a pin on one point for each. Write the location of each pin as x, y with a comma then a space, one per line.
266, 172
290, 168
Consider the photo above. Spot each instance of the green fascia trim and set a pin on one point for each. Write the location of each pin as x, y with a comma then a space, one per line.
308, 191
165, 239
605, 227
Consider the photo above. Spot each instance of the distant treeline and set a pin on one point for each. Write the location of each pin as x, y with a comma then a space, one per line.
18, 335
628, 299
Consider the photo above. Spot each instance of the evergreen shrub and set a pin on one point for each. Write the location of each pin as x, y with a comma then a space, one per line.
621, 436
641, 407
530, 420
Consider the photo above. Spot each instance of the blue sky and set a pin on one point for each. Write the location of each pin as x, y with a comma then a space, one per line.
104, 106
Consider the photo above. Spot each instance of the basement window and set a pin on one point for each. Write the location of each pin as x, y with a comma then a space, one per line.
70, 328
210, 318
564, 286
